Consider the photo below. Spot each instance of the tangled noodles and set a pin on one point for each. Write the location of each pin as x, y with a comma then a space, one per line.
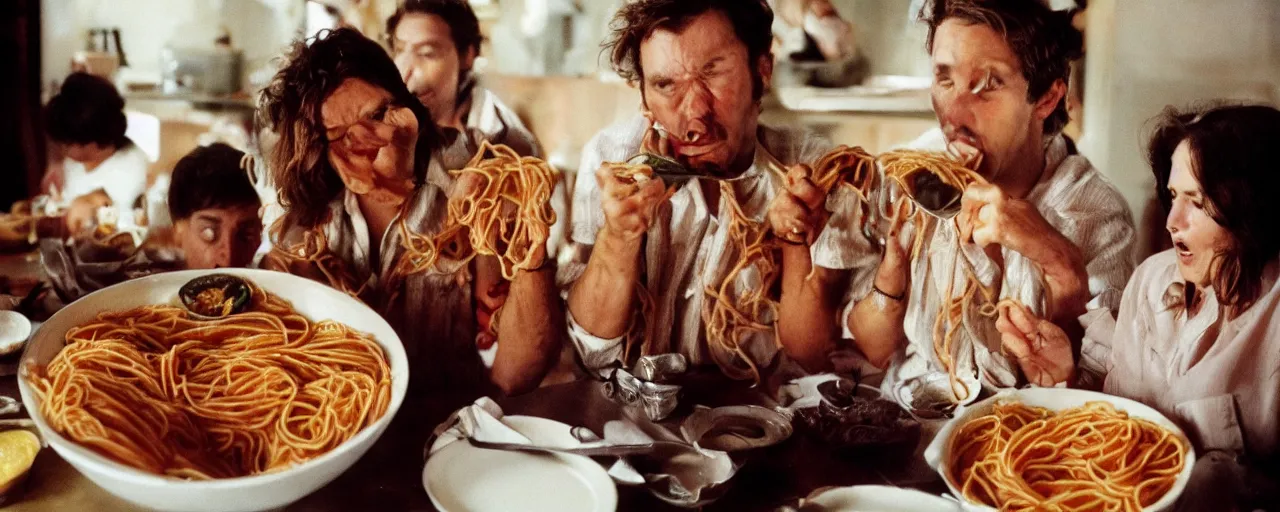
899, 167
1093, 457
250, 393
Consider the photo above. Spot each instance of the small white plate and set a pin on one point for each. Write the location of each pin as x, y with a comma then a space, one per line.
15, 329
463, 478
880, 498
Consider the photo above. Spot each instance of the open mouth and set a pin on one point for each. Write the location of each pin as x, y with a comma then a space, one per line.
1183, 250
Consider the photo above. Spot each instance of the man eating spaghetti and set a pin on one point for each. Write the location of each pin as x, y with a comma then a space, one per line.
1046, 229
656, 258
355, 150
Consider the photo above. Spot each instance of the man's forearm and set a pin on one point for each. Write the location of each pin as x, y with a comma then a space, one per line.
876, 325
807, 324
530, 331
876, 321
602, 299
1066, 278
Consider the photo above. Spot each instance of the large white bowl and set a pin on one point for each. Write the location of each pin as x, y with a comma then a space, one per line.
938, 454
252, 493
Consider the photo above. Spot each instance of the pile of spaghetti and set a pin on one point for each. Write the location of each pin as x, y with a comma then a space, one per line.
1092, 457
506, 216
251, 393
733, 311
900, 167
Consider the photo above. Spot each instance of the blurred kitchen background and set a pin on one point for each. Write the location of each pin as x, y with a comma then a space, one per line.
189, 68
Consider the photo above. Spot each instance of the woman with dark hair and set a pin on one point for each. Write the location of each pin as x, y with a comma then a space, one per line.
358, 166
102, 167
1196, 335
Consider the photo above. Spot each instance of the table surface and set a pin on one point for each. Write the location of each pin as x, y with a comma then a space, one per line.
389, 477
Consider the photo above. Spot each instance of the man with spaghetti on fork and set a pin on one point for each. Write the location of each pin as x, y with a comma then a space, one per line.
1041, 227
355, 150
651, 254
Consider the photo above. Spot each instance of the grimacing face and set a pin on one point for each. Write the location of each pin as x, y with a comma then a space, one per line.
698, 87
1197, 237
980, 96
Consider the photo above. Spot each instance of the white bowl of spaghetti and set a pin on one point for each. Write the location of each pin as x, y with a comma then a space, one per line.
297, 415
1037, 447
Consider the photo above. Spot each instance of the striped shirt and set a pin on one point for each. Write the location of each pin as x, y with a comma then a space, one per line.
1077, 201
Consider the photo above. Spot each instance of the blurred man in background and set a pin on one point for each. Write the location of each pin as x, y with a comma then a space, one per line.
435, 44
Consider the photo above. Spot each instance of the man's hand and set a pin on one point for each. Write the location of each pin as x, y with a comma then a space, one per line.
629, 205
893, 276
876, 321
1041, 348
375, 158
84, 210
799, 211
989, 216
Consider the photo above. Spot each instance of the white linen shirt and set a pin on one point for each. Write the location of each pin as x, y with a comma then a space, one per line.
686, 247
1218, 378
1077, 201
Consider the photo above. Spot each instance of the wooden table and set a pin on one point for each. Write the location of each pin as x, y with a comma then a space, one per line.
389, 477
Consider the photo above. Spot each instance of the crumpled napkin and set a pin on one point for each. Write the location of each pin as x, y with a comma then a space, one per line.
700, 479
803, 392
482, 420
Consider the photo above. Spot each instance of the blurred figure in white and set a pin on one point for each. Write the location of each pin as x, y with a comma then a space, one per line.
798, 24
101, 166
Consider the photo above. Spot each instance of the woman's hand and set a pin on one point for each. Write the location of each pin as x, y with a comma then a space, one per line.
1041, 348
375, 157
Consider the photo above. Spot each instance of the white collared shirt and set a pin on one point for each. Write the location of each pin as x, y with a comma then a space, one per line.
1219, 378
1077, 201
123, 176
686, 248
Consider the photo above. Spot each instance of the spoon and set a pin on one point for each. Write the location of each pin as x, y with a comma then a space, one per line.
934, 196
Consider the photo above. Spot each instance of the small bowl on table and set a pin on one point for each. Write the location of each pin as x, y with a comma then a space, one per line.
857, 421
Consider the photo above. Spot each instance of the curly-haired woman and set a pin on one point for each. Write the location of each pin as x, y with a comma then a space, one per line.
358, 163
